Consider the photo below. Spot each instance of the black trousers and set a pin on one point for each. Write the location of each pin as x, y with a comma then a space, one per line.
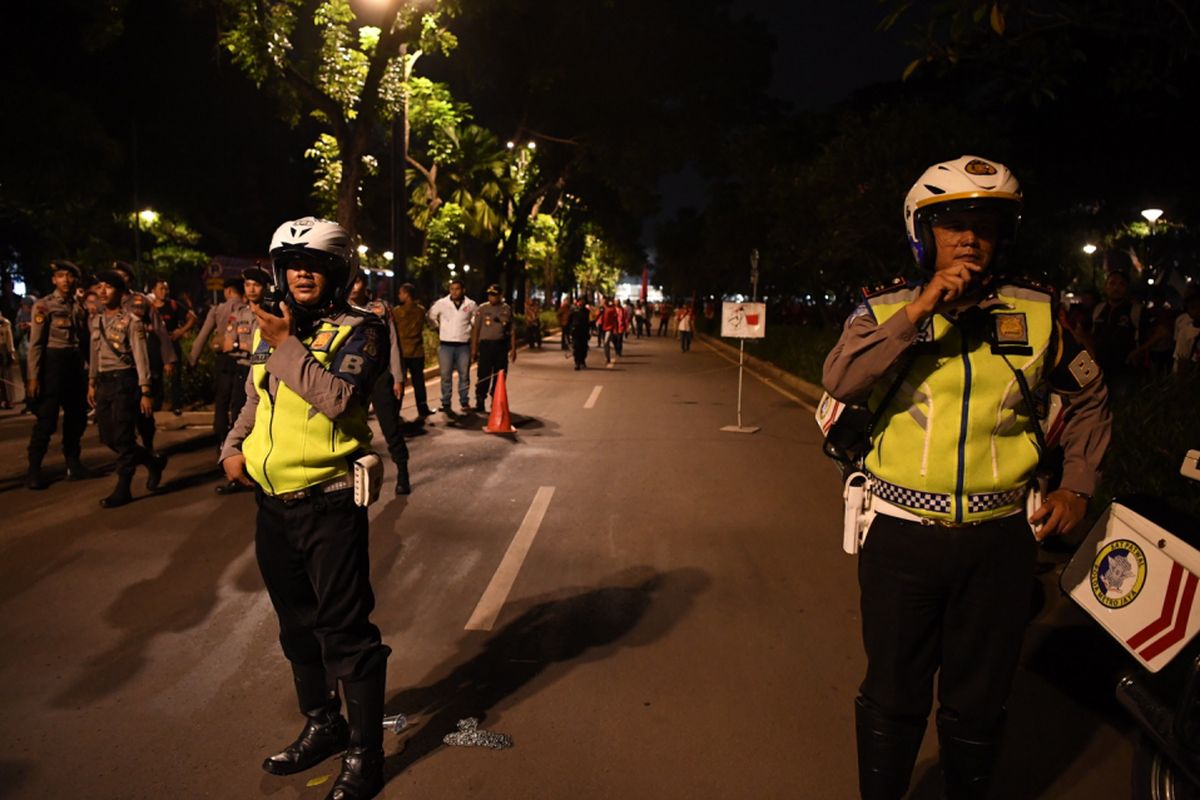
387, 410
954, 601
579, 343
414, 370
146, 426
230, 395
493, 357
314, 559
117, 412
177, 378
61, 385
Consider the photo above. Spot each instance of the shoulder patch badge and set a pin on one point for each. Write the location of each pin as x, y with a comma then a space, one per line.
1011, 328
1083, 369
322, 341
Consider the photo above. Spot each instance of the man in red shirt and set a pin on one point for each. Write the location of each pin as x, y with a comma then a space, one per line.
610, 325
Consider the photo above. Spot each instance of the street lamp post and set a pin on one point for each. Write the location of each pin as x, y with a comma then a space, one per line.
1090, 250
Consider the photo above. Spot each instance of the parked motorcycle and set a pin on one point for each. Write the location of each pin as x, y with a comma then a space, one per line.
1136, 574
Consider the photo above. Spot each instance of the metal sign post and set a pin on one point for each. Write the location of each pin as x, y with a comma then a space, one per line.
744, 320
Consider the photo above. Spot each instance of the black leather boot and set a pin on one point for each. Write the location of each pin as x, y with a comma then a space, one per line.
155, 466
967, 757
76, 471
324, 735
402, 484
362, 765
120, 493
34, 479
887, 751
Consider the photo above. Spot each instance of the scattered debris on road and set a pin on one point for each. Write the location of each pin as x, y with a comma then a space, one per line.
469, 735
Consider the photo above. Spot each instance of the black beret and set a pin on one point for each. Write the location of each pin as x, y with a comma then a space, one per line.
112, 278
70, 267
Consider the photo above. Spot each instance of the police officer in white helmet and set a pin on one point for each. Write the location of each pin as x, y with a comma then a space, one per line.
298, 440
956, 367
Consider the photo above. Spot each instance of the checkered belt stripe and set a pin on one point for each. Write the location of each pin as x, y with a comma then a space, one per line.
910, 498
991, 500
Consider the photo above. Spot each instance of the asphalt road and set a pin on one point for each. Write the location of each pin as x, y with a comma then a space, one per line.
650, 607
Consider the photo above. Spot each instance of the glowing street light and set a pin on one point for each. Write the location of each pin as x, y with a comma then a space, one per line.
510, 145
362, 249
1152, 214
466, 267
389, 255
148, 216
1089, 248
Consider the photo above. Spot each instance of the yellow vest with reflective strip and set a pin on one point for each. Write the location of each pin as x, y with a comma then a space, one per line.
957, 441
293, 445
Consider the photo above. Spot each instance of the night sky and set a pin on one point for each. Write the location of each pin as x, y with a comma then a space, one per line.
823, 53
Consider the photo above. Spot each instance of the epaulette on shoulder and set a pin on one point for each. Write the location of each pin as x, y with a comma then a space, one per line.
361, 316
880, 289
1025, 282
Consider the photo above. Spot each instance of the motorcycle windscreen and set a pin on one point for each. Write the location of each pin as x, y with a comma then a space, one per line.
1138, 580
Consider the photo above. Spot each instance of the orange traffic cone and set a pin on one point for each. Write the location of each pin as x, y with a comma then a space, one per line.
498, 421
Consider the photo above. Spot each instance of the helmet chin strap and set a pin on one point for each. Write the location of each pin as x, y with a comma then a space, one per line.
306, 317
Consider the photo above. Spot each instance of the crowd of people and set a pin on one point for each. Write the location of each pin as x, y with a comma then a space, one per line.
611, 322
1133, 338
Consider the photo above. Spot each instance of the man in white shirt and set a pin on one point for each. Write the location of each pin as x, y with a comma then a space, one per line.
452, 316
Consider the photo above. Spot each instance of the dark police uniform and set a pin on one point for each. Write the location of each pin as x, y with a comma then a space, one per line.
383, 397
303, 424
120, 372
493, 326
57, 361
946, 572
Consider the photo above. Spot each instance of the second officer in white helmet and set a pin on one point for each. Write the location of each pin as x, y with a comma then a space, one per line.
297, 440
952, 365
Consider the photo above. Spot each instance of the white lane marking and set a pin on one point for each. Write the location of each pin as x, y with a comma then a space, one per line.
496, 593
591, 401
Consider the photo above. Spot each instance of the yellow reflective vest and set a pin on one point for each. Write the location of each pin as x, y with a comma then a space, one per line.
957, 442
292, 445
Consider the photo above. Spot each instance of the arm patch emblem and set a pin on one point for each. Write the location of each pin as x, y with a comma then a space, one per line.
1083, 369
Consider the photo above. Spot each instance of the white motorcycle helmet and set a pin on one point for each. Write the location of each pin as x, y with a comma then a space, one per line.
319, 239
967, 183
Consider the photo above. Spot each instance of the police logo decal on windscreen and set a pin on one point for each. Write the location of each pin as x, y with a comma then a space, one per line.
1118, 573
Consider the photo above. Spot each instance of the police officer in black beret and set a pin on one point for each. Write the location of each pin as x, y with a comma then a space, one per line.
57, 378
119, 386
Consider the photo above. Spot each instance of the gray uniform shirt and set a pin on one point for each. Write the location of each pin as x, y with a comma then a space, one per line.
143, 306
383, 310
57, 323
493, 322
234, 320
119, 342
866, 351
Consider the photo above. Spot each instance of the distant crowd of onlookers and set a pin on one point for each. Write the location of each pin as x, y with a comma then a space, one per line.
1133, 338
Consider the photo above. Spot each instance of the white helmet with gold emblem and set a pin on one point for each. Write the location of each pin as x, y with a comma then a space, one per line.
967, 183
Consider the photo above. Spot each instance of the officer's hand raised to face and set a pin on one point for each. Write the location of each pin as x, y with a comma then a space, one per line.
1059, 514
271, 328
943, 292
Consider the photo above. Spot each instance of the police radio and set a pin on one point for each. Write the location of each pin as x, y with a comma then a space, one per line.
272, 301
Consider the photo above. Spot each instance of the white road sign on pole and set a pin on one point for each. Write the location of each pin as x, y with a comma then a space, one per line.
744, 320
